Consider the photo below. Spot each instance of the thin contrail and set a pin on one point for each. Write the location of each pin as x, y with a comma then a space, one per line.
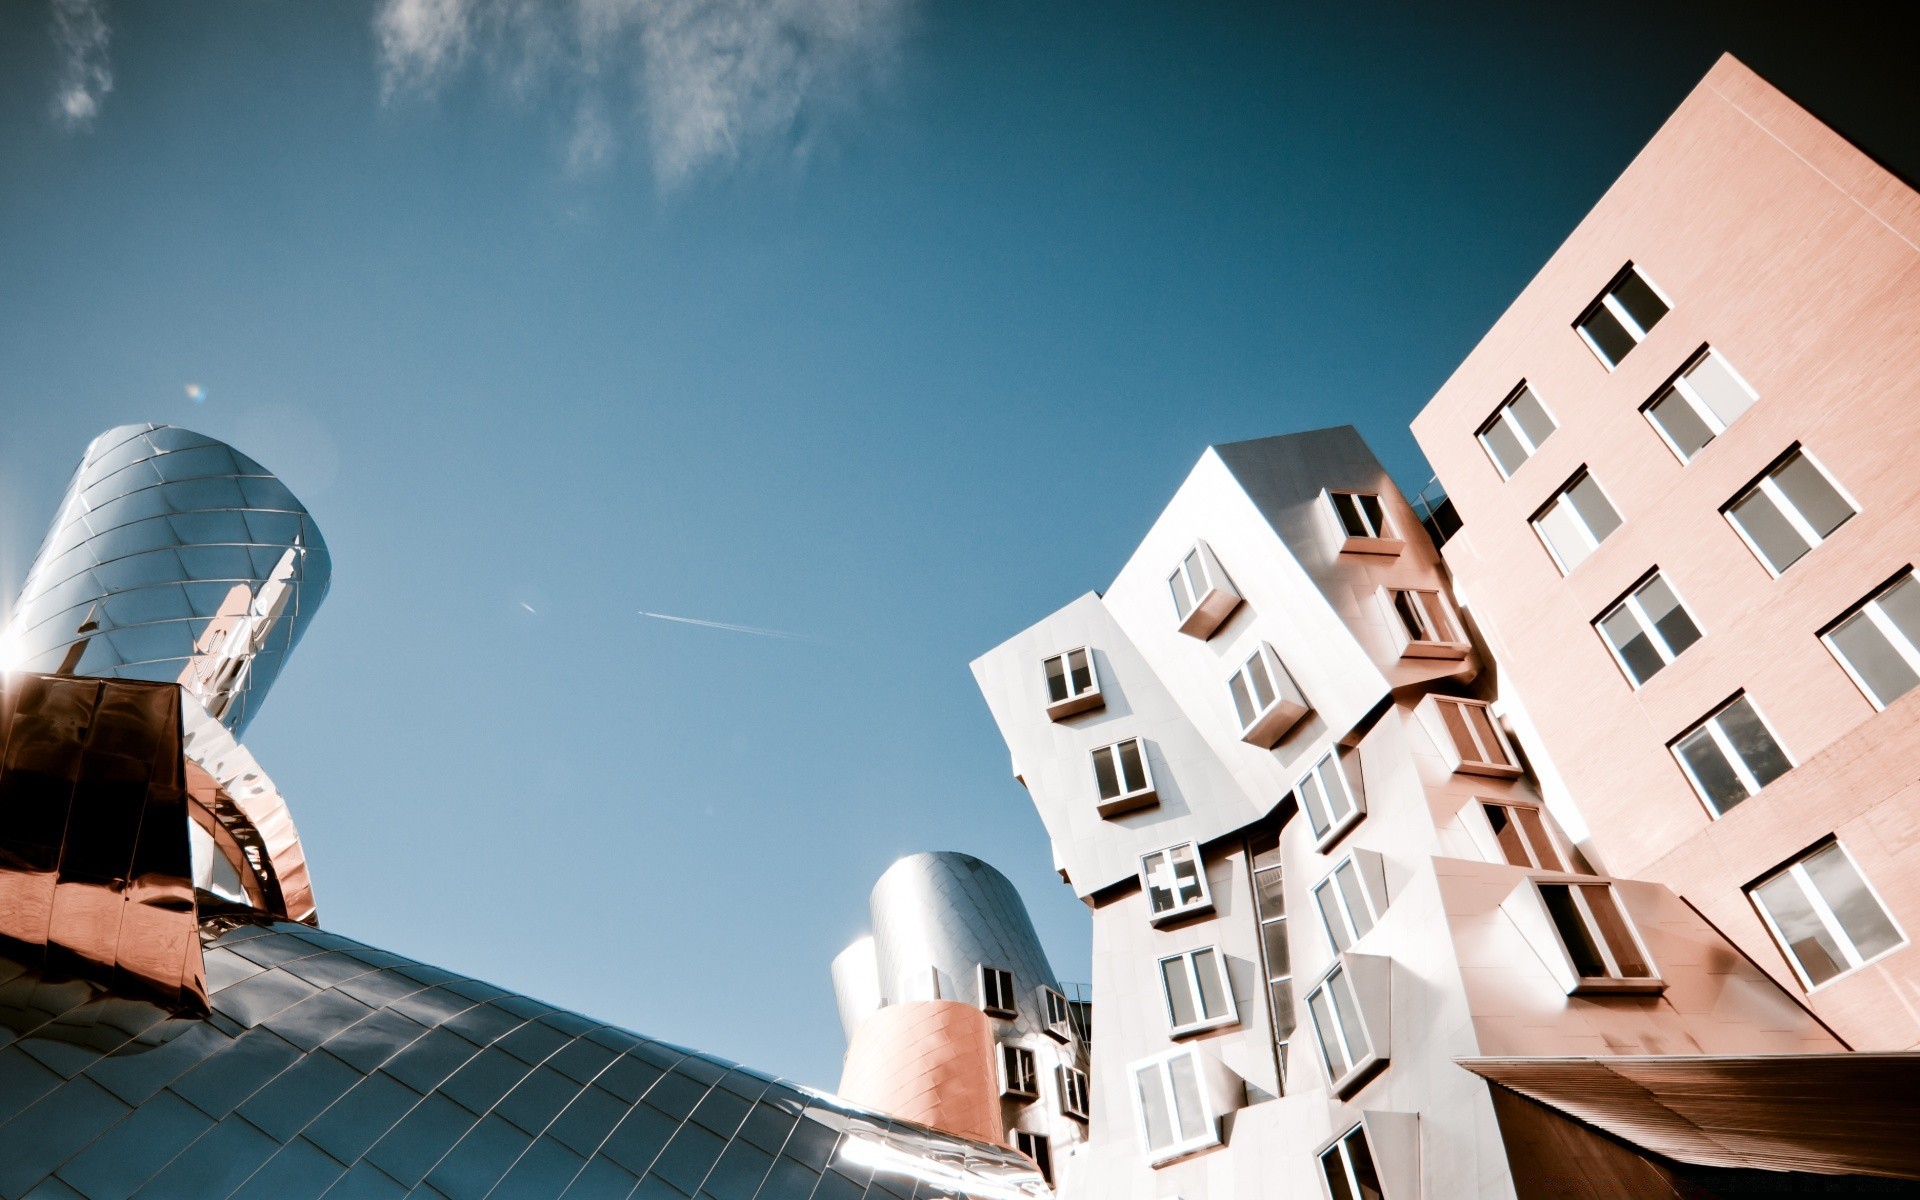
753, 629
528, 607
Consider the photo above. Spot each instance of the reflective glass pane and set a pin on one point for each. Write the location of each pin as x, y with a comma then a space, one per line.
1155, 867
1491, 750
1315, 804
1186, 870
1182, 603
1596, 512
1153, 1106
1332, 1054
1675, 416
1663, 608
1335, 1171
1778, 542
1718, 389
1267, 890
1339, 800
1503, 445
1438, 621
1332, 918
1819, 502
1347, 877
1057, 680
1196, 571
1751, 741
1412, 619
1133, 773
1340, 987
1860, 915
1881, 668
1262, 681
1531, 416
1609, 336
1632, 643
1273, 938
1365, 1177
1207, 967
1080, 664
1180, 999
1541, 841
1188, 1110
1587, 962
1615, 931
1711, 771
1563, 532
1901, 604
1806, 936
1641, 302
1507, 833
1243, 705
1281, 993
1104, 774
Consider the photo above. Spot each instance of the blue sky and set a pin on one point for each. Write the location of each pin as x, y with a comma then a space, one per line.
885, 323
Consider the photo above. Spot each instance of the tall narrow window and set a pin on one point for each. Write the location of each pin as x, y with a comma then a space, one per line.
1203, 596
1516, 430
1121, 776
1270, 903
1265, 698
1468, 737
1647, 629
1075, 1100
1328, 799
1347, 1166
1598, 938
1788, 511
1879, 642
1018, 1076
1175, 882
1170, 1105
1198, 993
1699, 405
1346, 911
1072, 684
1036, 1147
996, 991
1621, 318
1340, 1028
1058, 1016
1825, 916
1523, 836
1575, 522
1730, 755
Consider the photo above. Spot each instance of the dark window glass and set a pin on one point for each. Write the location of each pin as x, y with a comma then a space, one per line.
1587, 962
1608, 335
1642, 303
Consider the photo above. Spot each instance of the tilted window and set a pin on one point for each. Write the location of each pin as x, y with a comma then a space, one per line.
1699, 405
1265, 698
1073, 685
1270, 904
1622, 317
1203, 596
1879, 641
1329, 797
1363, 524
1075, 1098
1575, 521
1037, 1147
1175, 881
1730, 755
1199, 994
1347, 1168
996, 991
1523, 833
1516, 430
1424, 623
1170, 1105
1599, 939
1121, 776
1788, 511
1349, 1012
1350, 899
1825, 915
1018, 1076
1647, 629
1058, 1016
1468, 737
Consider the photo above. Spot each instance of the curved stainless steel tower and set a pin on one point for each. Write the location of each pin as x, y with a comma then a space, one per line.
177, 559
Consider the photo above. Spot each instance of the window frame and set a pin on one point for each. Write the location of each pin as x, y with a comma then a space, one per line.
1019, 1073
1378, 537
1365, 978
1091, 697
1329, 886
1179, 911
1564, 494
1562, 863
1273, 721
1823, 911
1162, 1067
1615, 981
1503, 415
1896, 638
1125, 801
1765, 484
1189, 958
1628, 323
1056, 1016
1631, 603
1076, 1092
1442, 734
1339, 1152
1200, 614
996, 984
1724, 744
1452, 646
1679, 384
1356, 797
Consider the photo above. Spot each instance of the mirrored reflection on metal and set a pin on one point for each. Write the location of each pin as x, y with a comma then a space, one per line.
96, 871
247, 818
326, 1064
175, 558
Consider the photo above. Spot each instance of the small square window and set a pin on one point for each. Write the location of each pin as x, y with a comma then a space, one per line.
1647, 629
1825, 915
1170, 1106
1516, 430
1699, 404
1265, 698
1073, 685
1036, 1147
1350, 899
996, 992
1622, 317
1349, 1012
1575, 522
1199, 994
1018, 1076
1175, 881
1203, 596
1330, 799
1468, 737
1121, 776
1348, 1170
1878, 641
1059, 1017
1423, 623
1730, 755
1075, 1095
1788, 511
1599, 939
1362, 521
1524, 834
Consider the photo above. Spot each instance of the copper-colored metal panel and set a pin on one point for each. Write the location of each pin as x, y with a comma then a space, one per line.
930, 1061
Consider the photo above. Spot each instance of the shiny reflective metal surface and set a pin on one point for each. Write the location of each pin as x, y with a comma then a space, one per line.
190, 562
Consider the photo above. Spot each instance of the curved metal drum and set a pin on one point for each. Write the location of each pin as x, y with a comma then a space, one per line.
174, 558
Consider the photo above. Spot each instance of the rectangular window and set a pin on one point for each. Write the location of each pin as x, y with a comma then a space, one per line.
1788, 511
1347, 1167
1203, 596
1175, 882
1199, 995
1036, 1147
1699, 404
1825, 915
1621, 318
1346, 911
1017, 1074
1425, 623
996, 991
1363, 523
1120, 773
1730, 755
1469, 737
1575, 522
1595, 931
1270, 903
1516, 430
1648, 629
1072, 684
1265, 698
1338, 1027
1170, 1105
1879, 642
1058, 1017
1327, 799
1075, 1100
1523, 835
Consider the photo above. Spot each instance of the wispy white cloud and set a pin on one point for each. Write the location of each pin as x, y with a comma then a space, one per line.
753, 629
707, 82
80, 37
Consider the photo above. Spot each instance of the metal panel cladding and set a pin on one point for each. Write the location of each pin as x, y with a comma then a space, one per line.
190, 562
